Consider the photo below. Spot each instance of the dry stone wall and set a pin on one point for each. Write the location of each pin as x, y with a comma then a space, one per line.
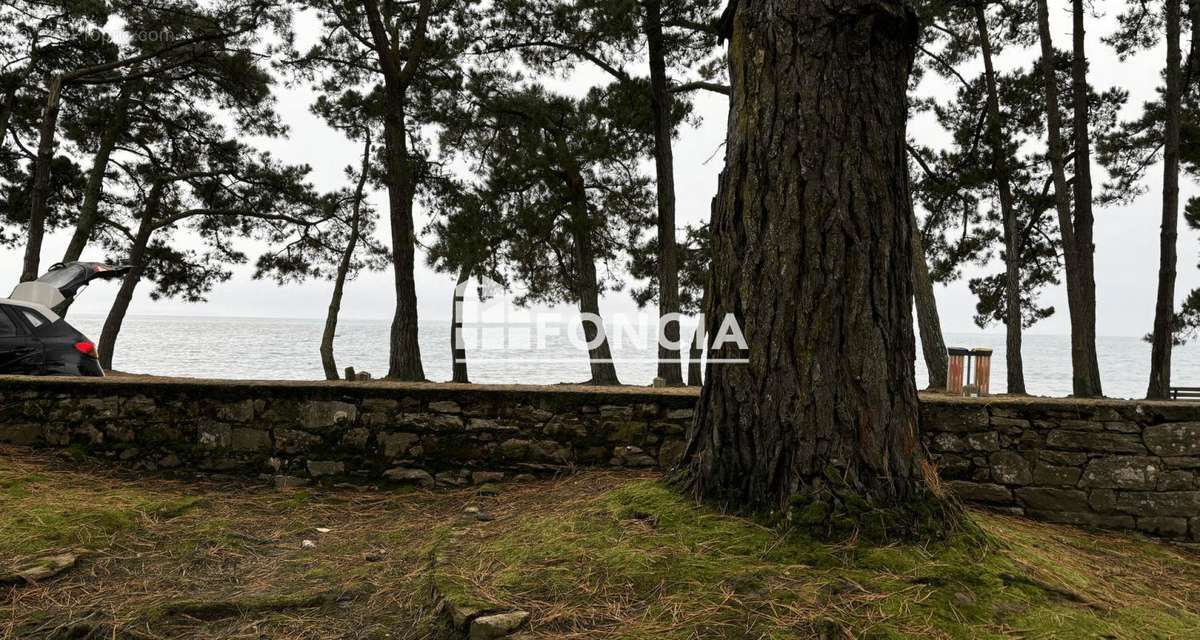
301, 432
1106, 463
1112, 464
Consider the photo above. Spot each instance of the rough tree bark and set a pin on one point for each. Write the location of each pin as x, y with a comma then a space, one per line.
328, 363
458, 352
933, 345
1085, 381
404, 360
587, 291
41, 180
668, 262
1012, 240
812, 257
1164, 307
137, 263
1085, 249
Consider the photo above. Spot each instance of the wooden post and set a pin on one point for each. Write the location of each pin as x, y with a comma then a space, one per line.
983, 369
955, 370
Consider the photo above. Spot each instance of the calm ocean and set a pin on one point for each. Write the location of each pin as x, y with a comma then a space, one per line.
271, 348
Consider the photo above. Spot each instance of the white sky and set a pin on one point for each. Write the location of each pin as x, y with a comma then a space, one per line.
1126, 237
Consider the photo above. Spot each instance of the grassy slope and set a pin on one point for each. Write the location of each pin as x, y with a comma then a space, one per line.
639, 562
599, 554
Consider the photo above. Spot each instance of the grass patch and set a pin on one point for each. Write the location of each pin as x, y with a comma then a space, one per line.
638, 561
594, 555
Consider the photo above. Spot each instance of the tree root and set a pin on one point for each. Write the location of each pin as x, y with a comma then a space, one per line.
832, 510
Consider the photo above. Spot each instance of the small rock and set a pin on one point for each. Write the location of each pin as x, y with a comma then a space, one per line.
488, 490
323, 529
449, 479
484, 516
289, 482
445, 406
318, 468
485, 477
470, 509
401, 474
308, 544
498, 625
40, 568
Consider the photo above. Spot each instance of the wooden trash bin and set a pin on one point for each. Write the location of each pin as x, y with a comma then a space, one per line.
983, 369
955, 370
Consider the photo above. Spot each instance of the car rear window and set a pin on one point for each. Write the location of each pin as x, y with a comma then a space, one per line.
63, 276
8, 328
35, 319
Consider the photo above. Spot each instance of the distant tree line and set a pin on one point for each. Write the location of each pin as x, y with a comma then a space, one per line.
130, 125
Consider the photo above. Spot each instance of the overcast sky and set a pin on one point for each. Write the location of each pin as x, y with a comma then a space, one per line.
1126, 236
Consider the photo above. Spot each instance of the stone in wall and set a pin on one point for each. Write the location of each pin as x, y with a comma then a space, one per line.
1121, 472
1173, 439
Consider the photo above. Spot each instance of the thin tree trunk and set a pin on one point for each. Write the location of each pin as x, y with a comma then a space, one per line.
812, 257
1085, 249
1012, 250
1083, 382
6, 110
668, 263
696, 358
41, 180
587, 290
89, 212
1164, 308
339, 283
933, 345
137, 262
458, 352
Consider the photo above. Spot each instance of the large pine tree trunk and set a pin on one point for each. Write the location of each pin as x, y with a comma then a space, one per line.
587, 289
812, 257
39, 198
933, 345
89, 211
1164, 308
404, 361
398, 69
1012, 240
1085, 250
1083, 382
137, 263
664, 163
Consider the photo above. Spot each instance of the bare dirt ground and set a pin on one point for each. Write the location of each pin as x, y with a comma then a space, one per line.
197, 558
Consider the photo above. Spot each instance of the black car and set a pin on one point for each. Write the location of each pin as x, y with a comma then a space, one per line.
34, 338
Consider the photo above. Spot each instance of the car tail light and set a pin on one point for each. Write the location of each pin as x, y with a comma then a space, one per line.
87, 348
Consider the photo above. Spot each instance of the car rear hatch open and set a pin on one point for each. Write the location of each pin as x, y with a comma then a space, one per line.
57, 288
